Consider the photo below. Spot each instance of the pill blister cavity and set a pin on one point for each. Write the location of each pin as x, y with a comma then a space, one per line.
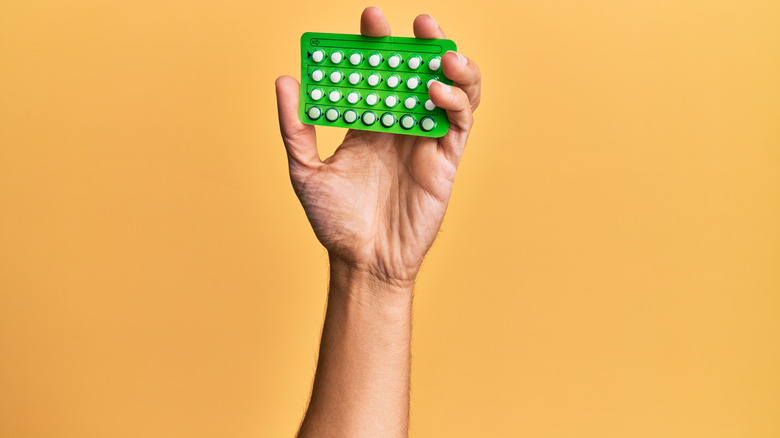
407, 121
434, 63
374, 60
369, 118
394, 60
332, 114
388, 120
372, 99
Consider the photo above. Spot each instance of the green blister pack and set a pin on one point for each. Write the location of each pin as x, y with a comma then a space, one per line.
374, 84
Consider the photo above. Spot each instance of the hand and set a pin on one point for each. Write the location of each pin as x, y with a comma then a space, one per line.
378, 202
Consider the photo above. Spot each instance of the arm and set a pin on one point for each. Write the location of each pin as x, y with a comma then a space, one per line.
361, 387
376, 205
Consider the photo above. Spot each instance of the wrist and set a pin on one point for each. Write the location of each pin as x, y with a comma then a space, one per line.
366, 284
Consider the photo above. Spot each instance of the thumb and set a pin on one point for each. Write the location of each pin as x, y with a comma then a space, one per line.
299, 139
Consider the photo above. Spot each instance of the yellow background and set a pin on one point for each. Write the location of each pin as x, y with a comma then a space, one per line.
609, 265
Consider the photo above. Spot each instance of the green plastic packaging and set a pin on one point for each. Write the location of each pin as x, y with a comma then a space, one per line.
373, 84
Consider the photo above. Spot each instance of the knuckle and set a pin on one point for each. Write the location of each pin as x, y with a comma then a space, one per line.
476, 74
465, 120
463, 98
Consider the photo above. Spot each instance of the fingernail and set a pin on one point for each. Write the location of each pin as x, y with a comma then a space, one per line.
447, 88
432, 19
461, 58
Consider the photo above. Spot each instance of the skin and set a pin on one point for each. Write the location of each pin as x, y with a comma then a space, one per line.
376, 205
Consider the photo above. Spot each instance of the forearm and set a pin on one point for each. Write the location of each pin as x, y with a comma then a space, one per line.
361, 387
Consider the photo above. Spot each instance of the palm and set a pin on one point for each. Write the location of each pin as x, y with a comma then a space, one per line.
379, 200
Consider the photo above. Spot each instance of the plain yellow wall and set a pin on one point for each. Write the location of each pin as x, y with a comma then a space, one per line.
609, 265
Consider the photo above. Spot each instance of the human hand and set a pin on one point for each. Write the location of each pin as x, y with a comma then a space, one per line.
377, 203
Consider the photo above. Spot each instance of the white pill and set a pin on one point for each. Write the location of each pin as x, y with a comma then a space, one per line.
372, 99
430, 81
316, 94
317, 56
391, 100
369, 118
350, 116
393, 81
388, 120
355, 58
413, 82
375, 59
373, 79
353, 97
317, 75
414, 62
427, 124
336, 57
410, 102
429, 105
354, 78
407, 121
335, 77
334, 96
434, 63
314, 113
394, 61
332, 114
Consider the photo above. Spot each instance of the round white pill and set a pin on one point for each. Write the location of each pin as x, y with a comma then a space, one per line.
430, 81
388, 120
317, 56
317, 75
372, 99
355, 58
391, 100
353, 97
369, 118
410, 102
407, 121
429, 105
337, 56
314, 113
332, 114
354, 78
427, 124
334, 96
335, 77
434, 63
394, 61
413, 82
316, 94
350, 116
375, 59
414, 62
373, 79
393, 81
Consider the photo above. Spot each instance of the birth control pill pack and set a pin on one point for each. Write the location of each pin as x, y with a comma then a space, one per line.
374, 84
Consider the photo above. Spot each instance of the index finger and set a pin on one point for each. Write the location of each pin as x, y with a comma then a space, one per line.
373, 23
